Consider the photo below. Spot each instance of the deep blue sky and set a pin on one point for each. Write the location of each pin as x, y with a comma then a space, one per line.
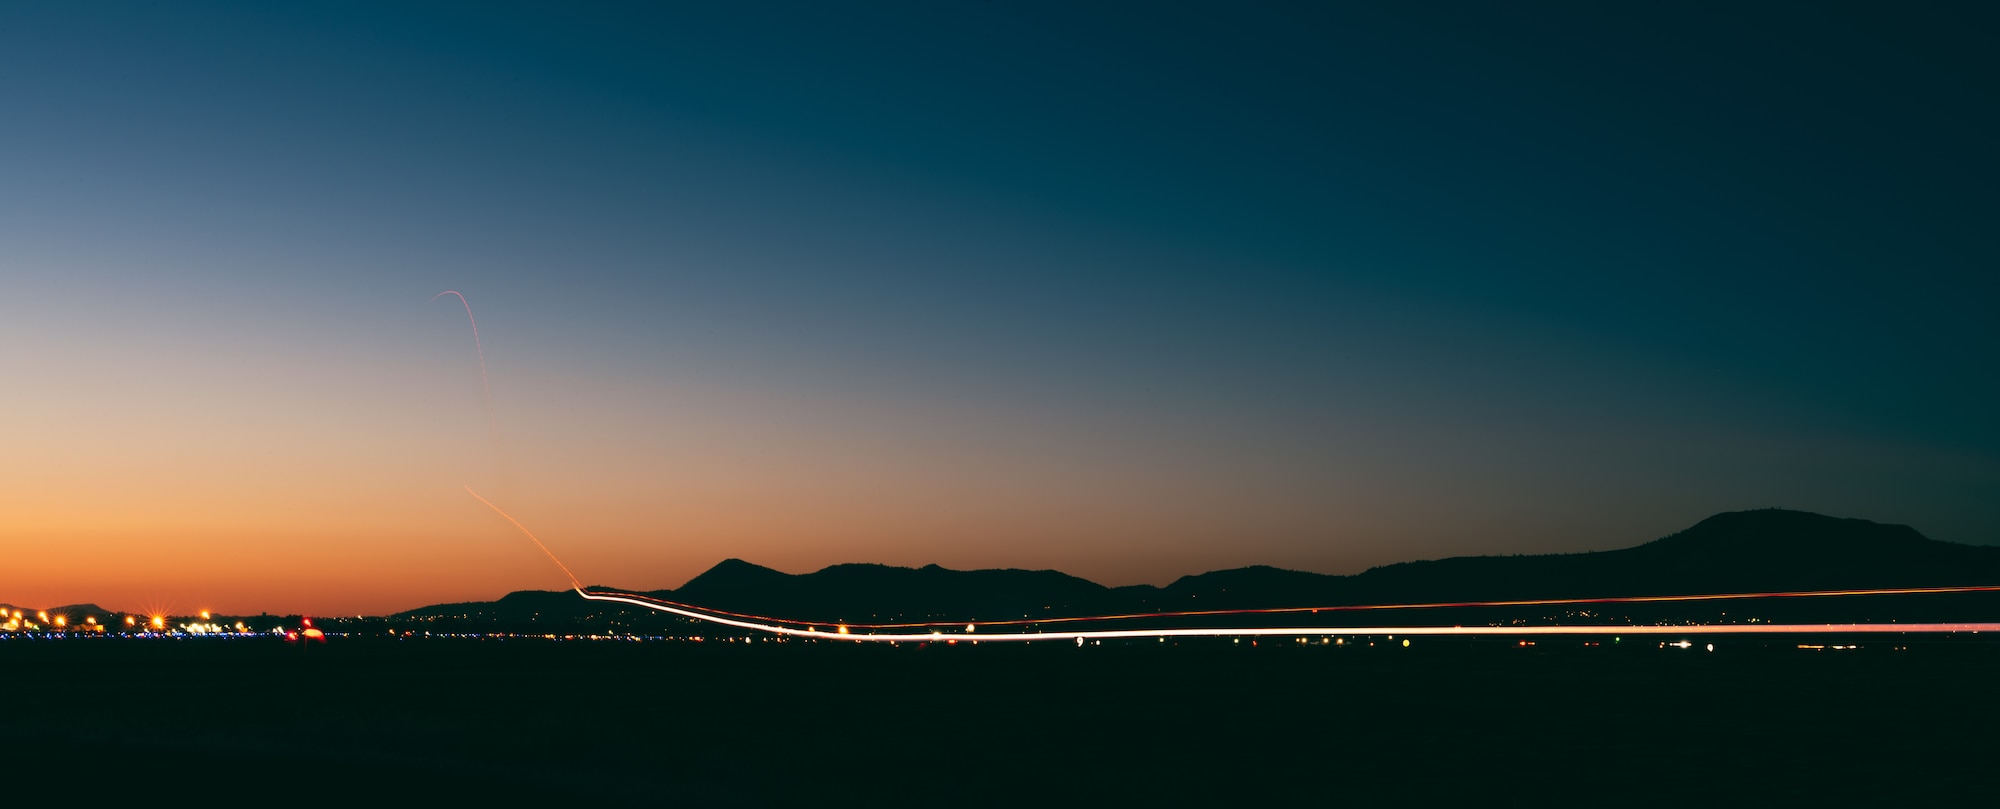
1129, 289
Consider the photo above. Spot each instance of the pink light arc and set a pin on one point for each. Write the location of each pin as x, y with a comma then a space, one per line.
485, 386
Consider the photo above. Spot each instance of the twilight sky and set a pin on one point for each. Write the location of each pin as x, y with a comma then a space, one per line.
1130, 290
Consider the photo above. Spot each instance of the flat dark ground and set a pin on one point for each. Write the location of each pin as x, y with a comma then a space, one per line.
639, 724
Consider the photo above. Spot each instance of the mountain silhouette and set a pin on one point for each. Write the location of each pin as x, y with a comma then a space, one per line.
1747, 551
869, 592
79, 610
1770, 550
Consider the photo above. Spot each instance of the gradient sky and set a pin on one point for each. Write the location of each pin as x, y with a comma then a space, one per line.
1128, 290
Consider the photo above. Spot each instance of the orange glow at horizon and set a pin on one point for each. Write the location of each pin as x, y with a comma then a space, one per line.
303, 506
246, 468
249, 461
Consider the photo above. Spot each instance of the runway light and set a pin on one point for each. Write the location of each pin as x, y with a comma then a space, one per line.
1406, 643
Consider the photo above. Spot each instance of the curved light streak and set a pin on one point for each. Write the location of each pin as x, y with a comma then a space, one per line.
485, 386
1295, 631
752, 617
1376, 607
843, 631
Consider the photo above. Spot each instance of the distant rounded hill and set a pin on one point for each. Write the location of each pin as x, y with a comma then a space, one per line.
1771, 550
1768, 550
879, 590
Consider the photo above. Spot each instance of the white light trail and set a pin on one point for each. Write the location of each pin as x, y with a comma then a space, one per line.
1109, 634
844, 631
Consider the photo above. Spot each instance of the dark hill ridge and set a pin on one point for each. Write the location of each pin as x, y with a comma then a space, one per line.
1770, 550
862, 592
66, 609
1744, 551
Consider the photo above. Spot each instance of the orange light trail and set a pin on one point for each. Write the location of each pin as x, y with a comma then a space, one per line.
531, 536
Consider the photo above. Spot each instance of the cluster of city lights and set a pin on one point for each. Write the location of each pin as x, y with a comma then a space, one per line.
46, 623
42, 621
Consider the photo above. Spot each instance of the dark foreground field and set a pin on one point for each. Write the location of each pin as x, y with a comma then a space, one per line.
1441, 723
